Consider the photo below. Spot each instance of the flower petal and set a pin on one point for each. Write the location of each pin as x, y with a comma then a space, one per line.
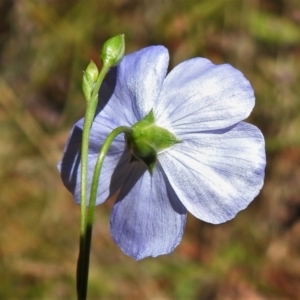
147, 219
198, 96
217, 174
115, 166
133, 87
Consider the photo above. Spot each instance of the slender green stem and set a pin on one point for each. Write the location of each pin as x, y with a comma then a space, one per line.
112, 54
85, 240
88, 120
98, 167
92, 103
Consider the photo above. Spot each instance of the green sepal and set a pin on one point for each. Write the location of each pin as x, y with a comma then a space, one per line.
87, 85
148, 139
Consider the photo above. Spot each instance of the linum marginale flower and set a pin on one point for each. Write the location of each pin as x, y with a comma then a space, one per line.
213, 167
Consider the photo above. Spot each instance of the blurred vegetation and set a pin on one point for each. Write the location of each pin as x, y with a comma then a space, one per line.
44, 46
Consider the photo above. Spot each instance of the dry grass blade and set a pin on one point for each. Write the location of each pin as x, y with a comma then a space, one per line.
28, 125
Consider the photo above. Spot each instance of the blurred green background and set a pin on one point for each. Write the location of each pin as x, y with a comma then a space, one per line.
44, 46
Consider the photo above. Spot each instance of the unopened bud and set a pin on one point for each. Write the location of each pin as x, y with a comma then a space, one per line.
92, 70
89, 78
113, 50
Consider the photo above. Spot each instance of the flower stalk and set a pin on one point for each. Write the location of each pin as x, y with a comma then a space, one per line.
112, 54
92, 103
85, 240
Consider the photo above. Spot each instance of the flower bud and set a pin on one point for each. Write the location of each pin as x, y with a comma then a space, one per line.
113, 50
92, 70
89, 78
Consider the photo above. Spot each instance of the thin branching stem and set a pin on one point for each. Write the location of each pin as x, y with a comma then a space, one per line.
92, 103
85, 241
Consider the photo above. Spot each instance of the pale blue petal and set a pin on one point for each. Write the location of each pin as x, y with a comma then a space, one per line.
132, 88
128, 93
148, 219
115, 166
199, 96
217, 174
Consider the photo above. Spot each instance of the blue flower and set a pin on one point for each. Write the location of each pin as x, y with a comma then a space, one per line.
214, 172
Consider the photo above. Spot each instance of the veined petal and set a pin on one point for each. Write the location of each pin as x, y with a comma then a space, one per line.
115, 166
199, 96
132, 88
148, 219
217, 174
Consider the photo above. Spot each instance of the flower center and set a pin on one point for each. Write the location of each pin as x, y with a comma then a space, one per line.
148, 139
